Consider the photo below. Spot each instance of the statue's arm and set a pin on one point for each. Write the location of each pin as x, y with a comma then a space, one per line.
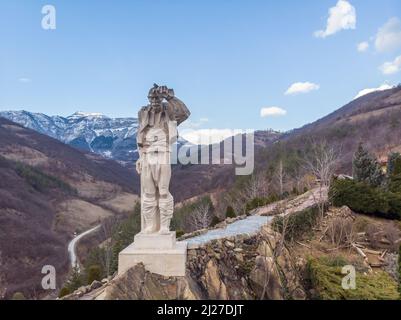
177, 110
139, 142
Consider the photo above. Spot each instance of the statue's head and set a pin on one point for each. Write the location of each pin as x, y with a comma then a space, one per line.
155, 99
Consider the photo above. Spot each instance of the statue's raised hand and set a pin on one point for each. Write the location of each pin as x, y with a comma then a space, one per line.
165, 92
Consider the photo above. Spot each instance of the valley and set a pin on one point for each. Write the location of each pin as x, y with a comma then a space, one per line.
52, 190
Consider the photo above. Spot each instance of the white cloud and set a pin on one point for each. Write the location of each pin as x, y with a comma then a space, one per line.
341, 17
388, 37
207, 136
194, 124
24, 80
363, 92
302, 87
363, 46
272, 112
391, 67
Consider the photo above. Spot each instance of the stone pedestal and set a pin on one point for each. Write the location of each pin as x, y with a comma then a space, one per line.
160, 254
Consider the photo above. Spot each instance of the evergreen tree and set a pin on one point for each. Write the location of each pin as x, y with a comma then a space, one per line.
74, 280
94, 272
365, 168
230, 213
394, 164
394, 172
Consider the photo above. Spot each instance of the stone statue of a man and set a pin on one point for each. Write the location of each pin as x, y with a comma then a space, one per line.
157, 131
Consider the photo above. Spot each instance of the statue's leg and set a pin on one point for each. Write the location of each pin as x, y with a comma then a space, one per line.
166, 201
149, 200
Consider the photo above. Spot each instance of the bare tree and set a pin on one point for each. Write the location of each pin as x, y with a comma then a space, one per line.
321, 163
280, 176
256, 187
107, 229
341, 232
239, 204
200, 217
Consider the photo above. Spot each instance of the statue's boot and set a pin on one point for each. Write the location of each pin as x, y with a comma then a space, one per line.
166, 207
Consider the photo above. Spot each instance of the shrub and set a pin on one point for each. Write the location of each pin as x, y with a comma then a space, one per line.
365, 168
94, 273
215, 220
230, 213
75, 280
394, 164
64, 292
260, 202
394, 183
96, 256
325, 279
340, 231
298, 223
18, 296
363, 198
179, 233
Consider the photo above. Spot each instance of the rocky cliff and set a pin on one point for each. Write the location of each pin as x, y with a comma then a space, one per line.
241, 267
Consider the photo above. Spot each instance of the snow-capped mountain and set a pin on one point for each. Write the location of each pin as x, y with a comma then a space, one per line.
111, 138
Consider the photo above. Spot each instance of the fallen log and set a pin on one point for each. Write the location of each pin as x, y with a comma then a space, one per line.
303, 244
378, 253
384, 241
359, 250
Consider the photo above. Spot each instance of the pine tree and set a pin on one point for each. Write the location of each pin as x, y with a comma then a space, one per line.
394, 164
230, 213
74, 280
394, 172
365, 168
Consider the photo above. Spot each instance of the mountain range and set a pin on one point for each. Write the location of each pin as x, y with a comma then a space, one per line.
112, 138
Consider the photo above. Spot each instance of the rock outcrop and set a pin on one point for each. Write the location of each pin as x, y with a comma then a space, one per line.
240, 267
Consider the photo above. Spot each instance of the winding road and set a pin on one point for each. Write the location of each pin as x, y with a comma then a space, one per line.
72, 247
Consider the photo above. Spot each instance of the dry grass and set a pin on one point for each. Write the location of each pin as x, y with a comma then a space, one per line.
121, 203
91, 188
78, 215
25, 155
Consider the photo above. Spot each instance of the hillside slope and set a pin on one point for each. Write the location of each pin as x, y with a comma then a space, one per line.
373, 119
48, 191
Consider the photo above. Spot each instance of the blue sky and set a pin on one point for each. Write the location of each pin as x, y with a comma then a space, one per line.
226, 59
